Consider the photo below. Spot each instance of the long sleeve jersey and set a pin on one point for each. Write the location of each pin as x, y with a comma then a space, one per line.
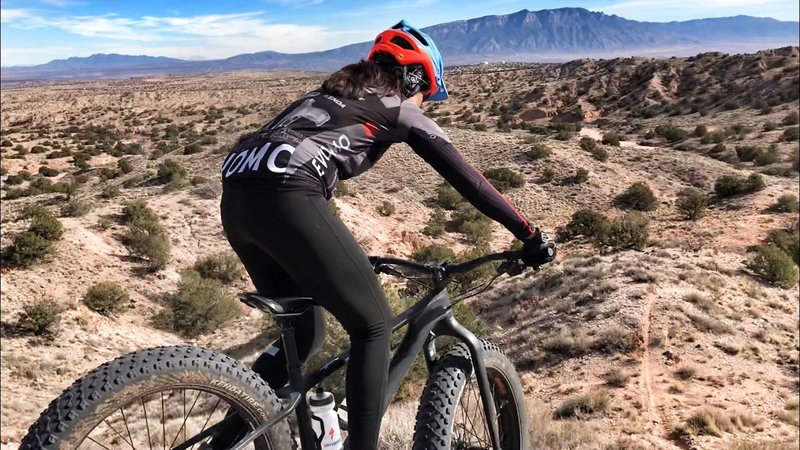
321, 139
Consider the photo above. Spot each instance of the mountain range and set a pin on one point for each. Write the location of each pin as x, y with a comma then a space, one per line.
545, 35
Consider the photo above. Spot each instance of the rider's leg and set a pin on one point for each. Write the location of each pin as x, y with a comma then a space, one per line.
318, 251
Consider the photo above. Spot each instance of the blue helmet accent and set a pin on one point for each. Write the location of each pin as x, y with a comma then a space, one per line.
436, 58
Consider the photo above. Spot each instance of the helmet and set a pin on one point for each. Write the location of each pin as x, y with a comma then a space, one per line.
415, 55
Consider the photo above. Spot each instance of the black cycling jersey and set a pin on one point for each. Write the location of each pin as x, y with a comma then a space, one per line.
321, 139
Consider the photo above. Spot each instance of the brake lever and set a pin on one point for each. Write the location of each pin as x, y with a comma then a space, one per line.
511, 267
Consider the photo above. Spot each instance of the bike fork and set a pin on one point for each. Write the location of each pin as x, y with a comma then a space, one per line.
451, 327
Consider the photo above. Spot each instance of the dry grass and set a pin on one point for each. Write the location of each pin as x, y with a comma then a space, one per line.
568, 343
617, 377
715, 422
686, 372
546, 433
792, 444
582, 405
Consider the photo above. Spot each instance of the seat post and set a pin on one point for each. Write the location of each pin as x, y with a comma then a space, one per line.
294, 366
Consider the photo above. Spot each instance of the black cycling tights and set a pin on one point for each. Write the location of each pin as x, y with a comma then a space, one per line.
292, 244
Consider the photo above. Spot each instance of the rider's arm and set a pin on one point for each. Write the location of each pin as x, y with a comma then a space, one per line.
428, 140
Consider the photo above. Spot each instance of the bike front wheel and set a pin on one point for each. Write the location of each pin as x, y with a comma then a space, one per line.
450, 415
160, 398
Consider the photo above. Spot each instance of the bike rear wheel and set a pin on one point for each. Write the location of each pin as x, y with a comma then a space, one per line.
160, 398
450, 415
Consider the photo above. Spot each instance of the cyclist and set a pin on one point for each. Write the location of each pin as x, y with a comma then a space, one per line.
276, 183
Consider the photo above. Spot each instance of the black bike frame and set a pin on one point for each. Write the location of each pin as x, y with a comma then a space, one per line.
428, 318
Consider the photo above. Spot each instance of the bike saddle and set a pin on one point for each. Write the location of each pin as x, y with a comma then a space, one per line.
283, 306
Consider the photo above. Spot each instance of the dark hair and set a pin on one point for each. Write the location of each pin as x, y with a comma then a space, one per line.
353, 80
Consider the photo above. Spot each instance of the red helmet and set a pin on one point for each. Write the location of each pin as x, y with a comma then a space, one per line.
408, 46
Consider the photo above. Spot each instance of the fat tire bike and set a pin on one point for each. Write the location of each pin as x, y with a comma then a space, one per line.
181, 397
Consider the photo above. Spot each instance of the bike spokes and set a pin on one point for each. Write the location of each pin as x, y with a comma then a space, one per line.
170, 419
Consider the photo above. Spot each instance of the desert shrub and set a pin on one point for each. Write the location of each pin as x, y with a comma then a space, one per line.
48, 171
110, 191
791, 134
767, 157
472, 223
342, 190
787, 241
715, 422
769, 126
692, 203
124, 165
145, 238
731, 185
447, 197
628, 231
581, 175
700, 131
671, 133
790, 119
26, 249
581, 405
588, 143
434, 253
504, 179
616, 340
616, 377
47, 227
785, 203
567, 343
200, 305
611, 139
32, 211
436, 223
774, 265
480, 127
222, 266
638, 196
6, 143
107, 298
171, 172
40, 318
538, 151
584, 222
386, 208
599, 153
547, 175
75, 208
747, 152
564, 135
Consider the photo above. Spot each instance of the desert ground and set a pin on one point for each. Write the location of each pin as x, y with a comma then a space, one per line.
660, 332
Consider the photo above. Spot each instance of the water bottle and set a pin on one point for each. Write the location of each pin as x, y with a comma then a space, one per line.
324, 420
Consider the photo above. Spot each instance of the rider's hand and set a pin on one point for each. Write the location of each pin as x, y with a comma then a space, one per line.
538, 249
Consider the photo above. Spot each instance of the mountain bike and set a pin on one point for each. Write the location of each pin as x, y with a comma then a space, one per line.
181, 397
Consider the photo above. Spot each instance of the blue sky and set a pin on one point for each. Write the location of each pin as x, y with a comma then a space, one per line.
37, 31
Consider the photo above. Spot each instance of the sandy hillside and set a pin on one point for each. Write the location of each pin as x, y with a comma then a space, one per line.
673, 343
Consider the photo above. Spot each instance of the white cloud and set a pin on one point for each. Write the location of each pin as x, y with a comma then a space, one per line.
9, 15
657, 10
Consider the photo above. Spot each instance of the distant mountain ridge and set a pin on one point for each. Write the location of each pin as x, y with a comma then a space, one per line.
549, 34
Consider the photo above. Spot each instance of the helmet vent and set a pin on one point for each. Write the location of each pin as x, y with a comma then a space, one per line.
402, 43
416, 34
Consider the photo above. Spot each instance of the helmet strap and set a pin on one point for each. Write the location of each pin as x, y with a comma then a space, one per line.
412, 77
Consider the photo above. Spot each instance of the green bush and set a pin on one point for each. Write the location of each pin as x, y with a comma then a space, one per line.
538, 151
747, 152
790, 119
588, 143
629, 231
638, 196
581, 175
476, 227
611, 139
75, 208
504, 179
171, 172
786, 241
40, 318
200, 305
584, 222
774, 265
434, 253
32, 211
791, 134
47, 227
769, 126
223, 266
731, 185
671, 133
692, 203
124, 165
107, 298
436, 224
786, 203
145, 238
48, 171
770, 156
700, 131
386, 208
110, 191
447, 197
599, 153
26, 249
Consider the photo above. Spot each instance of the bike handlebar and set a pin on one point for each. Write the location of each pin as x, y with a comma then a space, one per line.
383, 264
